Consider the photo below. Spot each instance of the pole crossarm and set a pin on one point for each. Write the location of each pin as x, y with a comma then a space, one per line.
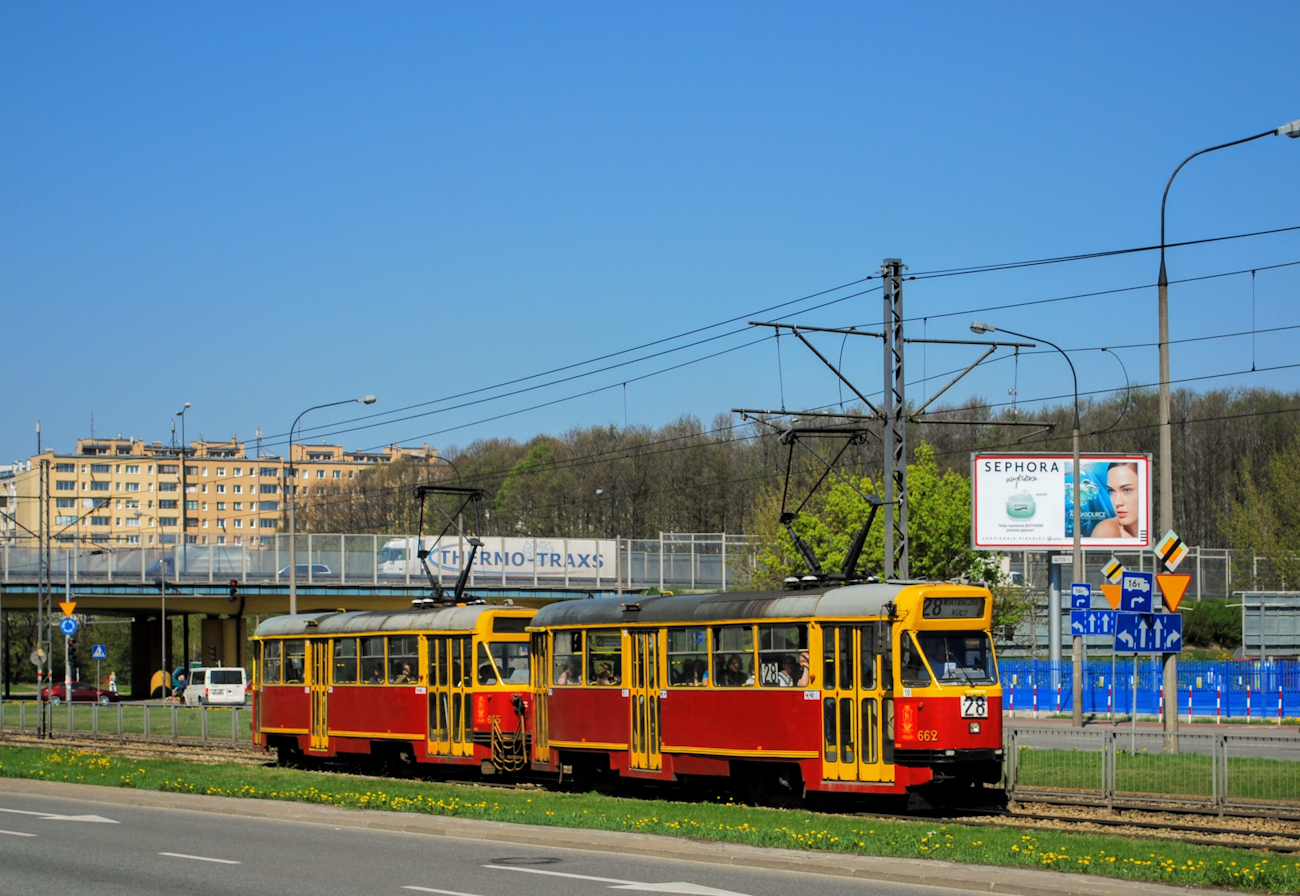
835, 370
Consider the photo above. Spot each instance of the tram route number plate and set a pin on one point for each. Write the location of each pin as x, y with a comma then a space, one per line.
974, 706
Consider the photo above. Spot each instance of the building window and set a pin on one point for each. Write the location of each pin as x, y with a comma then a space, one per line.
101, 468
132, 505
268, 505
239, 471
167, 539
205, 525
267, 489
101, 521
166, 505
320, 474
268, 471
164, 469
65, 468
320, 490
99, 486
221, 505
191, 505
65, 520
133, 486
100, 539
167, 520
132, 539
205, 488
65, 502
133, 522
221, 471
205, 471
168, 486
239, 505
239, 489
64, 486
266, 524
352, 474
239, 539
221, 524
132, 469
221, 489
191, 471
338, 474
239, 524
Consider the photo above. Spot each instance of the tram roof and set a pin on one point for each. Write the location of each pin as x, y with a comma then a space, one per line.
440, 619
847, 600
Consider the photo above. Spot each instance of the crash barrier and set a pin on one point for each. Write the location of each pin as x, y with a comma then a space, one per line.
168, 722
1207, 690
1215, 770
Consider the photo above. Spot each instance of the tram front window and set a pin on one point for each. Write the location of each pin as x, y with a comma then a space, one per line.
959, 658
511, 660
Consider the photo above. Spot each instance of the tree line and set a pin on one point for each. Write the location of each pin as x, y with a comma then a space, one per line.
730, 476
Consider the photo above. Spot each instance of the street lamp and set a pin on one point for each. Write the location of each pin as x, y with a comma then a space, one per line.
293, 552
1166, 437
184, 493
1054, 617
618, 543
162, 597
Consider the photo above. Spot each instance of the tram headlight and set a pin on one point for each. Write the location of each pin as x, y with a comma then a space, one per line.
974, 727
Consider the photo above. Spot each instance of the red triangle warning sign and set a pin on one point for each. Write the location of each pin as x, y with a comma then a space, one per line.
1112, 595
1173, 586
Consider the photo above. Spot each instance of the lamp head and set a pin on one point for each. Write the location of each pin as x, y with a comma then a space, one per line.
600, 491
981, 328
367, 399
181, 412
1290, 130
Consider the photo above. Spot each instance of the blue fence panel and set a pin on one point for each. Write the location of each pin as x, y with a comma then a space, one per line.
1226, 689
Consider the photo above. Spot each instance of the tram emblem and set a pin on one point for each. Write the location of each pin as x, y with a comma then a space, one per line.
909, 721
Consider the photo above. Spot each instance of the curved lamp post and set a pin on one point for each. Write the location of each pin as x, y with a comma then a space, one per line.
1054, 617
293, 488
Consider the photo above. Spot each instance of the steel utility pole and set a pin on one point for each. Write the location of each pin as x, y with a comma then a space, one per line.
1166, 437
894, 411
44, 643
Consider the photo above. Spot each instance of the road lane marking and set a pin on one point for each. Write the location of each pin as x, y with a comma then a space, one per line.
181, 855
17, 834
443, 892
51, 816
681, 887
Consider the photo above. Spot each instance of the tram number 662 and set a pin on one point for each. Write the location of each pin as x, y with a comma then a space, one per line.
974, 706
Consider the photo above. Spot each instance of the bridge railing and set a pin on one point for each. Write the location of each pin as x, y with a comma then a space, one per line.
674, 561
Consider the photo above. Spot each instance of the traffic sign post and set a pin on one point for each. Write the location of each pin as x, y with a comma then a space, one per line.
97, 653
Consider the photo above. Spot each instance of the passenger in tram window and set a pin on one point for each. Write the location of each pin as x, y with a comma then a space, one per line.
403, 677
788, 674
731, 675
569, 675
487, 674
701, 676
376, 676
605, 675
805, 671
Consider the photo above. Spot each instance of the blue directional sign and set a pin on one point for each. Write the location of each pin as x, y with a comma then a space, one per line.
1135, 590
1092, 622
1169, 632
68, 626
1081, 596
1148, 633
99, 652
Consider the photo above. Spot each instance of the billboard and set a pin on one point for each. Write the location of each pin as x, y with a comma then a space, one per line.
1027, 501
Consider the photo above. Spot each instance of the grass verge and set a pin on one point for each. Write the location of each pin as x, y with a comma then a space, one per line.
1111, 856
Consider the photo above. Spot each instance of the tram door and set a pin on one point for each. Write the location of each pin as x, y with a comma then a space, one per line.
642, 650
451, 664
853, 692
541, 659
319, 664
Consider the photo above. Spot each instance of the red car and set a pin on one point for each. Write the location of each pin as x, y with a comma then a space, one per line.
82, 692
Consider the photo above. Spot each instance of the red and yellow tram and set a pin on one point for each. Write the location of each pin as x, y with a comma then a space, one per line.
445, 686
870, 688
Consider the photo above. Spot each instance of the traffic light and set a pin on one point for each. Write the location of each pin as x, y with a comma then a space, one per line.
212, 654
234, 590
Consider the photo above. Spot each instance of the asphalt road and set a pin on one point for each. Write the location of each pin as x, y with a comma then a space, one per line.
52, 845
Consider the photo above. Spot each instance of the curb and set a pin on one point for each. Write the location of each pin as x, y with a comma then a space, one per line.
920, 872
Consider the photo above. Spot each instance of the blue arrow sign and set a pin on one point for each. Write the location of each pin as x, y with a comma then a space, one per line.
1135, 589
68, 626
1081, 596
99, 652
1092, 622
1169, 632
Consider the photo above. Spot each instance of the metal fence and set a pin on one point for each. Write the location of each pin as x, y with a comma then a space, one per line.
1237, 689
1115, 766
167, 722
674, 561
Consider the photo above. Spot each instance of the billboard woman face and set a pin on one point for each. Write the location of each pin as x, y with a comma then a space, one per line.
1122, 486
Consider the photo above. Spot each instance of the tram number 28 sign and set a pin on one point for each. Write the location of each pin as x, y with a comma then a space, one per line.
974, 706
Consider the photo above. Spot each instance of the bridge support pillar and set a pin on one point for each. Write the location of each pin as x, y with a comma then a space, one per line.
146, 642
223, 641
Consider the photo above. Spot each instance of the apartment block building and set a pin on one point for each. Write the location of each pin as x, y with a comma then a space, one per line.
128, 492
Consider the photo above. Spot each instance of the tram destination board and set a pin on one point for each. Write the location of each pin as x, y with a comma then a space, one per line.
952, 608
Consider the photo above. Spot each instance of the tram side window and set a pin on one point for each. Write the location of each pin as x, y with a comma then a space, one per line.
345, 661
372, 660
294, 661
403, 659
911, 667
510, 659
688, 657
733, 656
783, 656
604, 658
566, 664
270, 662
867, 676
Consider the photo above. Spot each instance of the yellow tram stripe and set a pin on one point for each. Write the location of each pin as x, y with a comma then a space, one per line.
586, 745
771, 754
283, 730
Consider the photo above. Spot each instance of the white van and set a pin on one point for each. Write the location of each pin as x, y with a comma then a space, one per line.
223, 686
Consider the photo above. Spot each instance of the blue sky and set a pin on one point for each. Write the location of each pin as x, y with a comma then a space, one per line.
256, 208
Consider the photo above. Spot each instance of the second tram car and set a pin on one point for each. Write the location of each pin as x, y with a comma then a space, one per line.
448, 686
865, 688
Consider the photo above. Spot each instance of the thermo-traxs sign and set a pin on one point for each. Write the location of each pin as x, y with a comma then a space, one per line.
1027, 501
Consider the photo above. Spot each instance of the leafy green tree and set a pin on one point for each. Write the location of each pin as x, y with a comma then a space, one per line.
1264, 521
